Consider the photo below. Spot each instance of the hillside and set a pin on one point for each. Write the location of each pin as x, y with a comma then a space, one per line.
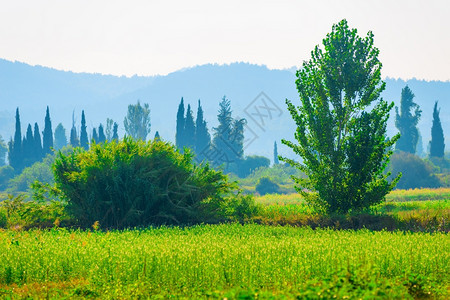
32, 88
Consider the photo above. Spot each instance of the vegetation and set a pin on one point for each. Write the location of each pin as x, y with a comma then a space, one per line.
437, 145
416, 173
224, 261
137, 122
406, 122
133, 183
266, 186
342, 142
47, 135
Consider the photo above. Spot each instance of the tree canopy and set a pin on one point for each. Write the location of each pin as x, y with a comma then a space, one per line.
137, 122
341, 124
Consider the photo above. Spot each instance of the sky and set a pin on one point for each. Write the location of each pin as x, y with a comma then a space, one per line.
150, 37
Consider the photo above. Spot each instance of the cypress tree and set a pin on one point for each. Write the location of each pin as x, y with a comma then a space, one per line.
94, 136
37, 143
179, 135
237, 139
60, 137
28, 147
15, 146
115, 135
406, 122
101, 134
84, 140
47, 135
157, 137
189, 129
221, 140
74, 141
275, 154
202, 136
437, 145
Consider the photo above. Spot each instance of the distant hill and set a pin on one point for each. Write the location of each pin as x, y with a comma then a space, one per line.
32, 88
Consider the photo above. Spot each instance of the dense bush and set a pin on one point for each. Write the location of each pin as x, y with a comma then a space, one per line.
246, 166
416, 173
133, 183
267, 186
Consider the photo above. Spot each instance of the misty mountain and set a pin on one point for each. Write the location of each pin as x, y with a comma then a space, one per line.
256, 93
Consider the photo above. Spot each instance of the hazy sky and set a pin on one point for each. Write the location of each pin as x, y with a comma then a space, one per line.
157, 37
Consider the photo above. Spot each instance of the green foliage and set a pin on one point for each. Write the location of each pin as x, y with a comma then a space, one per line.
224, 261
244, 167
341, 124
137, 122
406, 122
266, 186
40, 171
133, 183
38, 213
416, 173
6, 173
437, 145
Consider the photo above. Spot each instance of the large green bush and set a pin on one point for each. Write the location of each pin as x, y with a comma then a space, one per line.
134, 183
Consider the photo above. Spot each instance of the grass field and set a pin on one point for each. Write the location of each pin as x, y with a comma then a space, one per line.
224, 261
416, 210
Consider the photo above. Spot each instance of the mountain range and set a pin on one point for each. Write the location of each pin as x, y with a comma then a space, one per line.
256, 93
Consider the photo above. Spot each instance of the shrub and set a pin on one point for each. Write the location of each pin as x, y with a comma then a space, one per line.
416, 173
134, 183
267, 186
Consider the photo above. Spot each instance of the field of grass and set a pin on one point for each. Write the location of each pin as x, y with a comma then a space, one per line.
224, 261
416, 210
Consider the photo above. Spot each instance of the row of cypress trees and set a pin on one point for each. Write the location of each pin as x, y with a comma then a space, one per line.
406, 120
228, 137
26, 150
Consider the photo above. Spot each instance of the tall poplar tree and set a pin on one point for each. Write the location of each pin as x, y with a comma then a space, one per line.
115, 135
137, 122
84, 140
47, 135
202, 136
341, 124
189, 129
406, 121
38, 154
437, 145
179, 134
